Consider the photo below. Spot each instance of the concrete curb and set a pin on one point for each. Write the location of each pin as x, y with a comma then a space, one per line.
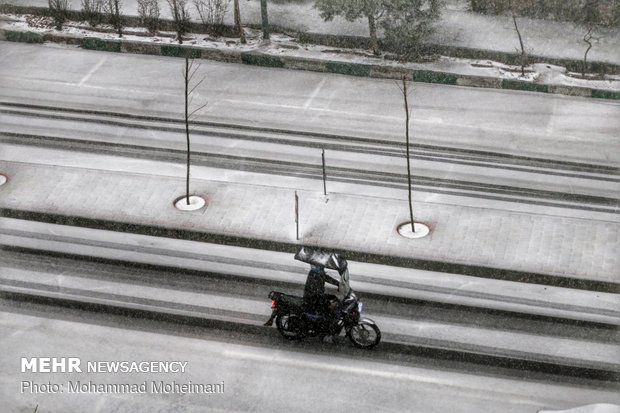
245, 326
259, 58
362, 256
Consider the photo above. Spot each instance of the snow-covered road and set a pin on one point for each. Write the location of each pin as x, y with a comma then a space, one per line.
518, 123
259, 378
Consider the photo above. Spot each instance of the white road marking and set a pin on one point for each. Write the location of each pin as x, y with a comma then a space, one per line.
93, 70
344, 112
314, 93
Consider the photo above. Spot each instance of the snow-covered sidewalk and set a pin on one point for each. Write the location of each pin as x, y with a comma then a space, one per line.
263, 217
458, 27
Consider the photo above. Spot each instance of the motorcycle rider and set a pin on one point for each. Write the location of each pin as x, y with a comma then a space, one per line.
314, 292
315, 298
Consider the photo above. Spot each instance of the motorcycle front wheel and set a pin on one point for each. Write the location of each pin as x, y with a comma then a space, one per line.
365, 335
291, 326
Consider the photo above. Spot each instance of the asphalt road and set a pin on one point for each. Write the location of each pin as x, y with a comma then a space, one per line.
283, 152
256, 378
518, 123
240, 301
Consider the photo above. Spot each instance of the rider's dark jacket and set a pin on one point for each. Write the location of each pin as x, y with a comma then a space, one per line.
315, 284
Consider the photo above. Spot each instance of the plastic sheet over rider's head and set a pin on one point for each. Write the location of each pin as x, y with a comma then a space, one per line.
315, 256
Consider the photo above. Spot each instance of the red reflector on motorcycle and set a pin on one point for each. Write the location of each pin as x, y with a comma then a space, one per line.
273, 303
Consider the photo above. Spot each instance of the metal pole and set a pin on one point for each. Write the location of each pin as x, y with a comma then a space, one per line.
187, 78
408, 158
324, 184
296, 216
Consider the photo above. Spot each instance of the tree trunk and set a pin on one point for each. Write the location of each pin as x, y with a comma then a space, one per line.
588, 39
119, 26
238, 27
264, 19
407, 143
514, 20
186, 75
372, 28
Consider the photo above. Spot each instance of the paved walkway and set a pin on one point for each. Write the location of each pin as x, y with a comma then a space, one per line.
560, 246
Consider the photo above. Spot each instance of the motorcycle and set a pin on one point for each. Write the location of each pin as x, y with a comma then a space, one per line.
345, 310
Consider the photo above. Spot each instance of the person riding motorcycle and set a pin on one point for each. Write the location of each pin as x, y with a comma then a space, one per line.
314, 292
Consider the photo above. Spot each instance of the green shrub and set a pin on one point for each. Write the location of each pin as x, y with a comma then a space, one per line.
179, 51
261, 60
427, 76
93, 43
606, 94
521, 85
23, 37
348, 68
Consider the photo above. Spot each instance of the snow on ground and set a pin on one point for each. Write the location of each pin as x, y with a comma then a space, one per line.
285, 45
457, 27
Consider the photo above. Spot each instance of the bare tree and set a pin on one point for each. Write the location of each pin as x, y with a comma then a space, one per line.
180, 16
514, 21
149, 12
189, 72
114, 10
59, 10
588, 39
211, 13
92, 11
405, 93
238, 27
590, 19
264, 19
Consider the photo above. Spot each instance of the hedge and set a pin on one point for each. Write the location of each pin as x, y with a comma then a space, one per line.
434, 77
526, 86
23, 37
93, 43
261, 60
348, 68
605, 94
179, 51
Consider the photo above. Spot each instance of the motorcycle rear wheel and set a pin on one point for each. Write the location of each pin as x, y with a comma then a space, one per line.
291, 326
364, 335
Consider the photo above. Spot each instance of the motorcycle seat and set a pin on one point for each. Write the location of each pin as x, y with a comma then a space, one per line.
291, 301
288, 301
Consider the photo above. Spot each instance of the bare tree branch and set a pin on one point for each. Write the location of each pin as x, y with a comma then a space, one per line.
189, 71
514, 20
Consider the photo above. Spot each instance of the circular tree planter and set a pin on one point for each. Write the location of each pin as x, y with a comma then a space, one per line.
421, 230
3, 179
195, 203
